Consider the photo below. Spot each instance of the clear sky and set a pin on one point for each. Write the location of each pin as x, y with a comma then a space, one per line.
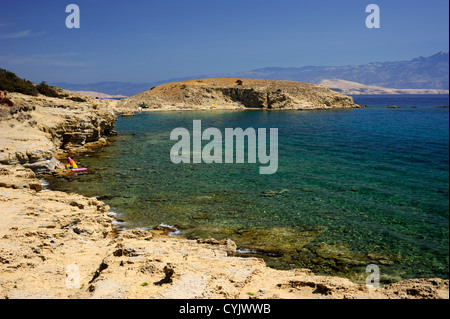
149, 40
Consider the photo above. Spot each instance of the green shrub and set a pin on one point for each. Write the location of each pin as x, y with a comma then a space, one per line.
12, 83
77, 99
47, 90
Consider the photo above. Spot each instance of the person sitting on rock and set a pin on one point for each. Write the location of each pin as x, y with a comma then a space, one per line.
4, 99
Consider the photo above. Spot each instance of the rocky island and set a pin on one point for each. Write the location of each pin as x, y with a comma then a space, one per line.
60, 245
229, 93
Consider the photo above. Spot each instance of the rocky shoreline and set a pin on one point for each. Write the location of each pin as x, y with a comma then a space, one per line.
60, 245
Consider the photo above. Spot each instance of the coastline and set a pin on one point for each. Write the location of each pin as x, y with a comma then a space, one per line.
59, 245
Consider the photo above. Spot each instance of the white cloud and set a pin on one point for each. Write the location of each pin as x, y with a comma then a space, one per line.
52, 59
21, 34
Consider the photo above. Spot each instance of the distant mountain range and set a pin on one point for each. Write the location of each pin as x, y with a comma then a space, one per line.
420, 73
110, 88
354, 88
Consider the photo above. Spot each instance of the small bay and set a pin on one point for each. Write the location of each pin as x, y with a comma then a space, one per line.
353, 187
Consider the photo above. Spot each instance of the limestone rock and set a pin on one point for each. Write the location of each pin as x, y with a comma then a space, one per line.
235, 93
42, 128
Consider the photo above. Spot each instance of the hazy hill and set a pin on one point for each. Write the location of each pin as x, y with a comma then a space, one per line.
355, 88
419, 73
110, 88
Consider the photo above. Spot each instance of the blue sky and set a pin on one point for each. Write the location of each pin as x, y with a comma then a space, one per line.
148, 40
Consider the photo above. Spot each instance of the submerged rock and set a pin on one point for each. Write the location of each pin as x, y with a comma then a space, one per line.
272, 193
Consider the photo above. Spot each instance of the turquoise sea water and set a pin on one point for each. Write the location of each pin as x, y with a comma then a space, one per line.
353, 187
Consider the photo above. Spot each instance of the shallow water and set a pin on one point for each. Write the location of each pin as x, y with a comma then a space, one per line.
353, 187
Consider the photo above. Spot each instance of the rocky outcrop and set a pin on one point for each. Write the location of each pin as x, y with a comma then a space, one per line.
39, 129
79, 134
44, 232
18, 177
236, 93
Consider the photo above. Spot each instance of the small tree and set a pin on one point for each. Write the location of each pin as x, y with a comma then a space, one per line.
239, 82
47, 90
77, 99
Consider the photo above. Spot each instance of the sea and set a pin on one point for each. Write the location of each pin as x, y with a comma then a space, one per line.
354, 187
